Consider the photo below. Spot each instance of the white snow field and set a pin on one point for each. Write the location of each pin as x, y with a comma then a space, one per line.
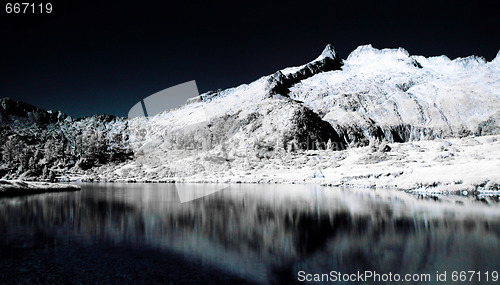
409, 122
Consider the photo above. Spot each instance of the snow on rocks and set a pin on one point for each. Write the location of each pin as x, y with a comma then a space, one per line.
316, 174
406, 97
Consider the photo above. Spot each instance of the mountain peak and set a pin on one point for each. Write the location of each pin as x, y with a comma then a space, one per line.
281, 81
368, 52
328, 52
496, 60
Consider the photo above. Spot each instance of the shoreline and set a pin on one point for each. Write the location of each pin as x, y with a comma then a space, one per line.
479, 192
14, 188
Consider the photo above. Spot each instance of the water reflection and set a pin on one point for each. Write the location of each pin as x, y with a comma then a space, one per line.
267, 233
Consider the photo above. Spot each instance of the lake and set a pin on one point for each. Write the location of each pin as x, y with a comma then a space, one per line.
245, 234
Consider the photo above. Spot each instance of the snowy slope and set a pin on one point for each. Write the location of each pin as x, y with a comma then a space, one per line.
246, 117
407, 97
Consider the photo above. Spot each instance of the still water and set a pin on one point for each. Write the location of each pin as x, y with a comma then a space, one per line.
255, 234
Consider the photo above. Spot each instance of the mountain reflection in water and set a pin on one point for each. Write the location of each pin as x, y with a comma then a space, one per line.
262, 233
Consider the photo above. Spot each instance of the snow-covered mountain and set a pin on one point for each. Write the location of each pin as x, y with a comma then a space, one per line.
329, 103
400, 97
383, 94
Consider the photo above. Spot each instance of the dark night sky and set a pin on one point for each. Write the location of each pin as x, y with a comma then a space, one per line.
104, 56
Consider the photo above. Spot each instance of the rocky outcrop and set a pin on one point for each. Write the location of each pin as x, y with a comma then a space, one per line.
309, 131
279, 83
